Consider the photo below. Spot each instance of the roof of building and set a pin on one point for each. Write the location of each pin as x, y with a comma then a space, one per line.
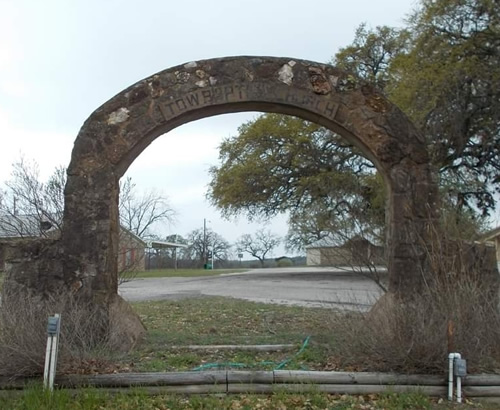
152, 243
29, 226
329, 242
162, 244
325, 242
132, 235
490, 235
23, 226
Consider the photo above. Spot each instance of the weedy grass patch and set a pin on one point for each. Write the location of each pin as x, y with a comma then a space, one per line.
225, 321
93, 399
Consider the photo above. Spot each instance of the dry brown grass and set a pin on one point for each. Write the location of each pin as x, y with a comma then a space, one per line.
413, 336
456, 309
23, 335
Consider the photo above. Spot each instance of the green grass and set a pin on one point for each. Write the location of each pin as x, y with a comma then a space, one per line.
218, 320
93, 399
172, 273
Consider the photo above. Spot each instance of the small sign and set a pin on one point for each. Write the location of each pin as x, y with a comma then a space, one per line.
460, 368
53, 330
53, 325
240, 255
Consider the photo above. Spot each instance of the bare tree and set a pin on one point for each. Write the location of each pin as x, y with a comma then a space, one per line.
32, 208
259, 245
139, 213
140, 216
201, 241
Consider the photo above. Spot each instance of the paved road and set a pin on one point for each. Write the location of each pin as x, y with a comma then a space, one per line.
308, 286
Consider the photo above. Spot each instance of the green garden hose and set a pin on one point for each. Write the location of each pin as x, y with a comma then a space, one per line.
278, 366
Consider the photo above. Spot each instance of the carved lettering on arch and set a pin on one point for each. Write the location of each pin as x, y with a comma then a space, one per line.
202, 98
240, 93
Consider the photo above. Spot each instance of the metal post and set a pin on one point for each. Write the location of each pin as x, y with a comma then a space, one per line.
53, 330
213, 251
204, 240
176, 249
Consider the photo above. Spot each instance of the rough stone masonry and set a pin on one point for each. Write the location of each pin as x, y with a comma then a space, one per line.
84, 260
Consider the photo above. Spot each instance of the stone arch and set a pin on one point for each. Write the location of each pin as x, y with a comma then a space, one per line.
117, 132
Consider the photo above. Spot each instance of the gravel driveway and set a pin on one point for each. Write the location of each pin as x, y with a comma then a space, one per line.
306, 286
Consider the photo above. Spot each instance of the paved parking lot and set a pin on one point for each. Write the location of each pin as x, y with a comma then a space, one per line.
307, 286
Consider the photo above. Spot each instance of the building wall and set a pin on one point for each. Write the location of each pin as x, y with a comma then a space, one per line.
131, 255
327, 256
2, 257
338, 256
313, 257
335, 256
497, 245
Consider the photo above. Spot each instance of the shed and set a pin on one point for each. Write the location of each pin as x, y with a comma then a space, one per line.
354, 251
493, 237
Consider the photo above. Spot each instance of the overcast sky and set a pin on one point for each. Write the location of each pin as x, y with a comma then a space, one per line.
60, 60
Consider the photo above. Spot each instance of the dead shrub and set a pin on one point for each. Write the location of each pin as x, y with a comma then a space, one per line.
460, 294
84, 345
413, 336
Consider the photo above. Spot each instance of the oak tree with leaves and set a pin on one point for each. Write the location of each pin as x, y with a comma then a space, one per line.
442, 70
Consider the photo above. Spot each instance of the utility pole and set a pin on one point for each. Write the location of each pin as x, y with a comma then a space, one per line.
213, 251
175, 249
204, 240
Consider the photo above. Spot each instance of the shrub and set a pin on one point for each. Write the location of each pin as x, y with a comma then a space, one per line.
413, 336
455, 310
23, 334
285, 263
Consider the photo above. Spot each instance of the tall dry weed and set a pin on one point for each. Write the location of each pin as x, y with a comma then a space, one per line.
23, 334
456, 309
